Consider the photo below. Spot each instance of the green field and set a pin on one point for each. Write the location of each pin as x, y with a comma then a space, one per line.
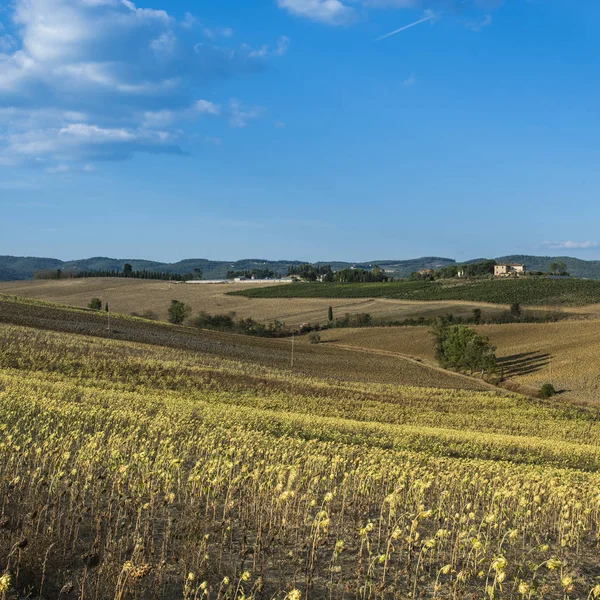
531, 291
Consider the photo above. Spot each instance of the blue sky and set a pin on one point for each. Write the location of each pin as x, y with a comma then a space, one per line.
289, 129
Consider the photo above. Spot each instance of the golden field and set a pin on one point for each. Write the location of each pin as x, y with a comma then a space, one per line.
139, 471
133, 295
566, 353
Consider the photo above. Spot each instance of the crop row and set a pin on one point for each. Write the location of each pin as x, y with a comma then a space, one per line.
530, 291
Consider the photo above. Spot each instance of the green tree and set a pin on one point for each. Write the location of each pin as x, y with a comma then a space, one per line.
198, 272
106, 307
559, 268
127, 269
95, 304
330, 314
461, 348
515, 310
179, 312
477, 316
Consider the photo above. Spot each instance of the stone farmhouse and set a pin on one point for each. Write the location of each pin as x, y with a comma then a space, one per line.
509, 270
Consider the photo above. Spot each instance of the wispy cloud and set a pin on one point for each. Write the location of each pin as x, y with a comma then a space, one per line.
345, 12
283, 44
239, 115
479, 24
570, 245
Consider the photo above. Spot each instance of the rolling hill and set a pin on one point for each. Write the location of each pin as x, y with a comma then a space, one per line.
14, 268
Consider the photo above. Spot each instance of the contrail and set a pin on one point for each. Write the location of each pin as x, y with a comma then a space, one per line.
387, 35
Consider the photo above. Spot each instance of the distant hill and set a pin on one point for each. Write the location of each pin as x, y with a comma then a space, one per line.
18, 267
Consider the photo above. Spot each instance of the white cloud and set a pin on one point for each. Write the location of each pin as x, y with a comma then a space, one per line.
283, 44
570, 245
240, 115
87, 79
280, 124
164, 44
189, 21
207, 108
331, 12
95, 134
213, 33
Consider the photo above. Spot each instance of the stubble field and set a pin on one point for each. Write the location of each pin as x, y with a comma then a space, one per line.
566, 353
130, 295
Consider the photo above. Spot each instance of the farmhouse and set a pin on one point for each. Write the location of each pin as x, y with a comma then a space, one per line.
509, 269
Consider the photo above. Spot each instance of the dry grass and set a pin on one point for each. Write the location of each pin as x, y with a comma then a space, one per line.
127, 296
566, 353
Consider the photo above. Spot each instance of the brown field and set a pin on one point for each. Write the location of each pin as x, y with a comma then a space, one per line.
526, 350
566, 353
130, 295
323, 360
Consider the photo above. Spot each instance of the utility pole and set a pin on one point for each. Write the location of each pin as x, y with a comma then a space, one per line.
108, 320
293, 337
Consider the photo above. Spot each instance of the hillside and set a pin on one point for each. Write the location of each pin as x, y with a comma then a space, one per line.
527, 291
530, 354
322, 360
140, 296
150, 470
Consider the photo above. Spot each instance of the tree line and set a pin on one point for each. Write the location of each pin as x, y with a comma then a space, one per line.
127, 272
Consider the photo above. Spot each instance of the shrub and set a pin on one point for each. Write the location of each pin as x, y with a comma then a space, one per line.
95, 304
314, 337
547, 391
178, 312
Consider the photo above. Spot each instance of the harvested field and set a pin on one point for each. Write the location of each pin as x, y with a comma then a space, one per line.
133, 295
321, 360
566, 353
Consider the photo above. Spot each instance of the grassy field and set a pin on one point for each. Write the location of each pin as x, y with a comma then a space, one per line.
566, 353
134, 470
126, 296
527, 291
